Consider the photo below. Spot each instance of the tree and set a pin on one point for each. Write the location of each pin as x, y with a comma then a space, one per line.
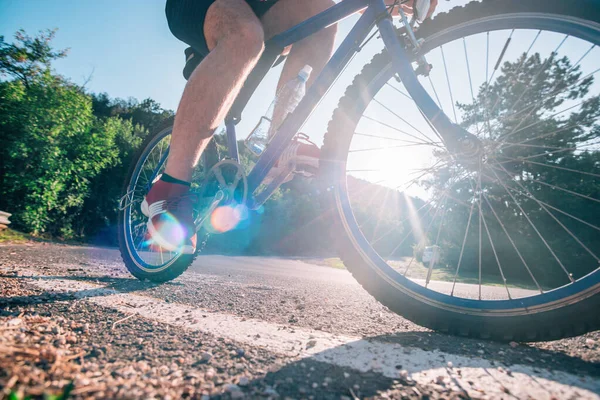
29, 57
528, 180
51, 147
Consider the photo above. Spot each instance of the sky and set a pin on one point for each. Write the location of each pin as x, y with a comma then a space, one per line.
125, 49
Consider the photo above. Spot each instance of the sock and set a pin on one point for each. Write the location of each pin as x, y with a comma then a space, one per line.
163, 189
168, 178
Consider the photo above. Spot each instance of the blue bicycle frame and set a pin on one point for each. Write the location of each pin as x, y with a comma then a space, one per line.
376, 13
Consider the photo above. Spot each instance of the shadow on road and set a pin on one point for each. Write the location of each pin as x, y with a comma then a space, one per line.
365, 367
112, 285
475, 365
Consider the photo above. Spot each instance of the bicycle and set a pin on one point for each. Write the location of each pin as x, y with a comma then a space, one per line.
506, 207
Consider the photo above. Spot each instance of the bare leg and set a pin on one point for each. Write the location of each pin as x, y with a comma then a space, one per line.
315, 50
235, 37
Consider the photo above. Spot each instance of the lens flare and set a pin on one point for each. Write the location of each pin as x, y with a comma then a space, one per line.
170, 234
225, 218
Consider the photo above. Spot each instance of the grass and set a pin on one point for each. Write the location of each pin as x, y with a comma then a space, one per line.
334, 262
418, 270
11, 236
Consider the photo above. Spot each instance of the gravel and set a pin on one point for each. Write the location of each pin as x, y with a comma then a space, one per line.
49, 344
49, 341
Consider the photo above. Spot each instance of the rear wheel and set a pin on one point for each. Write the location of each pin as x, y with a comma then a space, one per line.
503, 243
145, 259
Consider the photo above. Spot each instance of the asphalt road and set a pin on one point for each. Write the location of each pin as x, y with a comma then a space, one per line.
248, 327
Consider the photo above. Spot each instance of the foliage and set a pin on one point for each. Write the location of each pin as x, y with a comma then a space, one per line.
528, 179
51, 147
63, 152
29, 57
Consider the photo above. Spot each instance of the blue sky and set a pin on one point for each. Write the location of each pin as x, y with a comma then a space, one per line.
127, 49
125, 45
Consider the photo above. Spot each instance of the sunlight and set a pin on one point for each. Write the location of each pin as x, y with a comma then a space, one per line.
415, 221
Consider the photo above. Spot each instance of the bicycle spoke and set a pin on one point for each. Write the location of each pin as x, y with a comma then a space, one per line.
427, 138
513, 244
399, 130
437, 239
468, 69
470, 80
496, 256
542, 69
487, 85
462, 249
548, 96
480, 216
436, 94
537, 122
545, 135
559, 210
528, 161
565, 190
534, 227
500, 57
427, 231
518, 67
558, 222
436, 144
400, 91
487, 58
382, 210
448, 82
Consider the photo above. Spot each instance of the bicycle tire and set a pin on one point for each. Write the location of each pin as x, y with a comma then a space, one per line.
557, 318
181, 263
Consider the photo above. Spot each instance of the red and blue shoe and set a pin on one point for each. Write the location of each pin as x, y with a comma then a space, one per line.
170, 211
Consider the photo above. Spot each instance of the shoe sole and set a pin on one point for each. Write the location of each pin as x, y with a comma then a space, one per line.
185, 249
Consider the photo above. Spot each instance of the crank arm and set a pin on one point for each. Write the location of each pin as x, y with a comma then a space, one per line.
219, 196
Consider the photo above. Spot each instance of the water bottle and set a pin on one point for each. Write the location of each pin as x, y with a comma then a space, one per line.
285, 102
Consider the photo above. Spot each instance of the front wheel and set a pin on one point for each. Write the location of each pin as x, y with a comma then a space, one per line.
502, 242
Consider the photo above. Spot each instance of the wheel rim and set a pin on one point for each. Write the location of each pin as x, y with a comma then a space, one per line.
147, 256
586, 283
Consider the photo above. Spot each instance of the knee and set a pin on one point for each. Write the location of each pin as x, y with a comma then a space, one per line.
249, 39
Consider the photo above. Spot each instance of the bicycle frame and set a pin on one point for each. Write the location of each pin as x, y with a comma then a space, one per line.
375, 13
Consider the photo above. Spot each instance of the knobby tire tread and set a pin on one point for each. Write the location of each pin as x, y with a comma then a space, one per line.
566, 321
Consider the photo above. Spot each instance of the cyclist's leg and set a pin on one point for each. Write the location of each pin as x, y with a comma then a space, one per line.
315, 50
234, 36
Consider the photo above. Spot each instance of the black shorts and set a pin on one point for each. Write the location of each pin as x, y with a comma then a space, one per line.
186, 19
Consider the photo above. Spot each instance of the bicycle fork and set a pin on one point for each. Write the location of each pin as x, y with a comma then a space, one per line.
457, 140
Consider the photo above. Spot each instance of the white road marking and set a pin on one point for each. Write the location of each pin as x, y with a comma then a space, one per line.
475, 375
